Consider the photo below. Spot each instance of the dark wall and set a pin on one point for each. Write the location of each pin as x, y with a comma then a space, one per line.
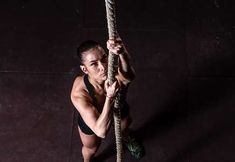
182, 99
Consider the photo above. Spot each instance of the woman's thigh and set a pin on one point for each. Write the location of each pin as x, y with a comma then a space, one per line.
89, 141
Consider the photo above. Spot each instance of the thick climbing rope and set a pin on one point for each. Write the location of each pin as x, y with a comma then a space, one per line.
112, 69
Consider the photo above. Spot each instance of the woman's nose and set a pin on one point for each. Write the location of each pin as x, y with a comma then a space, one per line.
102, 66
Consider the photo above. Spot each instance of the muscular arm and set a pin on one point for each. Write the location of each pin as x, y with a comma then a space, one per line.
98, 122
125, 69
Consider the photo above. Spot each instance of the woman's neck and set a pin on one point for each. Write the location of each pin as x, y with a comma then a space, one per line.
98, 85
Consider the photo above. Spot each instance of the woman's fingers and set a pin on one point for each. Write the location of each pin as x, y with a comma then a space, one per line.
114, 85
115, 46
111, 89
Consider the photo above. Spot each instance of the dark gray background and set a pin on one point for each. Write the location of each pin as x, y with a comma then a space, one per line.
182, 100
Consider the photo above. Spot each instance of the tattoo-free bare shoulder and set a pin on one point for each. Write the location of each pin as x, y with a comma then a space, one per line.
79, 88
80, 96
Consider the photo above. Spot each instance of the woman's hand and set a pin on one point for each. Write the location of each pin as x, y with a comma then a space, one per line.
116, 46
111, 89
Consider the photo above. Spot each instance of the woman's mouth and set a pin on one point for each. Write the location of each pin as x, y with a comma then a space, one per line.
104, 74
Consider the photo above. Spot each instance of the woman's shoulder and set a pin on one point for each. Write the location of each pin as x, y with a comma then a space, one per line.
78, 86
79, 95
78, 79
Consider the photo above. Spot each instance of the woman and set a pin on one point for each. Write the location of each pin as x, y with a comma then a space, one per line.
93, 96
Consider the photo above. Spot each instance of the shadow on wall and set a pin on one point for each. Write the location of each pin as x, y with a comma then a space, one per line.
199, 97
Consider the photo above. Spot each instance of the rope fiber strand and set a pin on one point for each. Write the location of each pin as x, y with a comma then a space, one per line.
112, 70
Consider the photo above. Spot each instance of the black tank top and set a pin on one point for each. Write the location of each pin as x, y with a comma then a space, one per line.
91, 90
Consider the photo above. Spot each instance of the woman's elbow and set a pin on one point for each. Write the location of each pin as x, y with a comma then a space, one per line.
100, 131
101, 134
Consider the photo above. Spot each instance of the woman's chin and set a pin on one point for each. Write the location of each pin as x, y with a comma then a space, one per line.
104, 77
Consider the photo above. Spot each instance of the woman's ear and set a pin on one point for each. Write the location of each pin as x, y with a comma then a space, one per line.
83, 68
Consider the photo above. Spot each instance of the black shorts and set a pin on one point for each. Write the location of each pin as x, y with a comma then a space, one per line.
85, 129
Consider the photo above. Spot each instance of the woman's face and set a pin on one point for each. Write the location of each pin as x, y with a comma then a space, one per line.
95, 63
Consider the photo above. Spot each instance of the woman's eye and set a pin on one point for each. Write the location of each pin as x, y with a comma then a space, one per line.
93, 64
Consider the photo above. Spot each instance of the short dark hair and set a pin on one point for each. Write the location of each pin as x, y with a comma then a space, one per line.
85, 46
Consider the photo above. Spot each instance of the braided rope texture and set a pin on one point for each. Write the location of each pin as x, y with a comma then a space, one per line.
112, 69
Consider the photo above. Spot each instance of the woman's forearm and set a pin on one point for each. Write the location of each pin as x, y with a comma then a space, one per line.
104, 120
125, 67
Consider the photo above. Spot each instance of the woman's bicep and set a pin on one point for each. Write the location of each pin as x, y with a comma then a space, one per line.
88, 112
